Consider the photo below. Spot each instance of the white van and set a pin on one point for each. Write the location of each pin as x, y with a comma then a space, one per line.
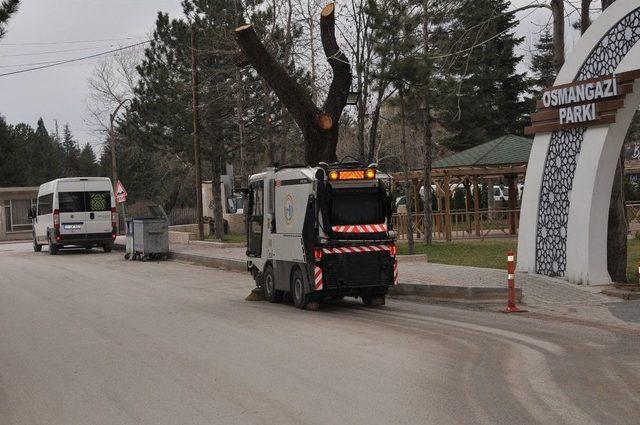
77, 211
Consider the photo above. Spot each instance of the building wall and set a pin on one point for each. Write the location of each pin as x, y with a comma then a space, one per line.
9, 195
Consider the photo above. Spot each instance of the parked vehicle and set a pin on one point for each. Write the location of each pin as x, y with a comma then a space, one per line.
321, 232
78, 211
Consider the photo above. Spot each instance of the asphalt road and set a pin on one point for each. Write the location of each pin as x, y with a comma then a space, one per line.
87, 338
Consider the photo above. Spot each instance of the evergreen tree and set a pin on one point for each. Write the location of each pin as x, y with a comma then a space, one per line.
11, 157
88, 167
542, 62
485, 92
71, 153
7, 8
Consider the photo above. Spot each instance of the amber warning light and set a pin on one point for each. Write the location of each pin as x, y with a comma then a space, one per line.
368, 174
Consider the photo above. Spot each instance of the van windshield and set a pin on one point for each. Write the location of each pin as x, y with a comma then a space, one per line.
84, 201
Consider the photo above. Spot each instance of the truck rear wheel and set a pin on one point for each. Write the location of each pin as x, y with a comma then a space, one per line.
374, 300
270, 292
299, 294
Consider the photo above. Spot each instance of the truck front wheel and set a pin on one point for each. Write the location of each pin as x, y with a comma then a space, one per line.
270, 292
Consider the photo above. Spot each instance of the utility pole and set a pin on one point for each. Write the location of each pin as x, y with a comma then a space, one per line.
196, 132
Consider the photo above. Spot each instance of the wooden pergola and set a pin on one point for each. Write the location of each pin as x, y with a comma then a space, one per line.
505, 157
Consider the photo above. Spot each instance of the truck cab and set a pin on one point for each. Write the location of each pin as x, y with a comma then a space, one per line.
321, 232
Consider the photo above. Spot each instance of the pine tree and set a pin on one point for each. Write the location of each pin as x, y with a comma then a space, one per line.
11, 156
485, 91
542, 62
87, 165
7, 8
71, 153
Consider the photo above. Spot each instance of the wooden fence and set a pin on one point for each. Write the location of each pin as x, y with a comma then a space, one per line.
460, 224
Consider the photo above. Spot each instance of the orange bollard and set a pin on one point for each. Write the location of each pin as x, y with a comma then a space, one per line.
511, 281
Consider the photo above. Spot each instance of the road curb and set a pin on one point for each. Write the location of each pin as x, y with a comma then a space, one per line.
412, 258
621, 293
453, 293
431, 292
213, 262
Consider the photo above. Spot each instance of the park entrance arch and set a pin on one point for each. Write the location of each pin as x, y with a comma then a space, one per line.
580, 128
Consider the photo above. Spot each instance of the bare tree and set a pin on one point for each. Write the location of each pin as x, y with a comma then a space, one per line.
111, 83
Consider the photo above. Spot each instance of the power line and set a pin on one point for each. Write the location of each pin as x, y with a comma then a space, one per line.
27, 64
15, 55
75, 60
50, 43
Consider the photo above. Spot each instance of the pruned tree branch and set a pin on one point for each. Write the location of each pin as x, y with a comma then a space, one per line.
290, 93
320, 126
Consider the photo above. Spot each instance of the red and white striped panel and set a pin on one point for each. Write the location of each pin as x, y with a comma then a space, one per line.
395, 272
355, 249
361, 228
318, 278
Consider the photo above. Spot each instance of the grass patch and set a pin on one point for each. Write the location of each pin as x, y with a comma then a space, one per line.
487, 254
491, 253
633, 256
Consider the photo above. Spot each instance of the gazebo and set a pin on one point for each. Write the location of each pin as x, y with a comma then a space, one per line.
505, 157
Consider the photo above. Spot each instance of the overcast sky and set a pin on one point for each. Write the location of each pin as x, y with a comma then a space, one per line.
60, 93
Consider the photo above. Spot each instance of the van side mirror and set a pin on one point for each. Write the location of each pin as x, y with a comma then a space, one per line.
32, 213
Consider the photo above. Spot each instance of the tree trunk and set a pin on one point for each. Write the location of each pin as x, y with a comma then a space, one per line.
427, 136
240, 119
319, 126
557, 10
617, 231
617, 226
270, 141
375, 120
428, 160
585, 19
218, 220
405, 162
607, 3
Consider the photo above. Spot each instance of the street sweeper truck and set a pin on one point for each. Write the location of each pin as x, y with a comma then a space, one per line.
321, 232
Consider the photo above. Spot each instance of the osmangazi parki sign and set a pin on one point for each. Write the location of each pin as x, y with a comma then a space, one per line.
582, 103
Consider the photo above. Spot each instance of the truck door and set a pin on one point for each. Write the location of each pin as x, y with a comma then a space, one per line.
255, 218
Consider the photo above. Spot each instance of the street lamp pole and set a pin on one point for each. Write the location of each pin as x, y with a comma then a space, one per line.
112, 145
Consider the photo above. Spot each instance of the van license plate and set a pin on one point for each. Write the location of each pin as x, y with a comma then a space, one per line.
72, 226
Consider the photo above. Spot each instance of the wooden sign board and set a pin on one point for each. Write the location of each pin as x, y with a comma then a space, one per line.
582, 103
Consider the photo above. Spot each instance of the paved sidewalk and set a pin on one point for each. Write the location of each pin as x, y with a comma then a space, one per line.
540, 294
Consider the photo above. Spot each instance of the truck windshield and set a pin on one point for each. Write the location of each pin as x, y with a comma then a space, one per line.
357, 206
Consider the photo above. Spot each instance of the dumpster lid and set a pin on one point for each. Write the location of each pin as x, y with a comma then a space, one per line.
153, 211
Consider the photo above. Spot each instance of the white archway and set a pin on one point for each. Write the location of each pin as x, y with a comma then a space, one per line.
563, 225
